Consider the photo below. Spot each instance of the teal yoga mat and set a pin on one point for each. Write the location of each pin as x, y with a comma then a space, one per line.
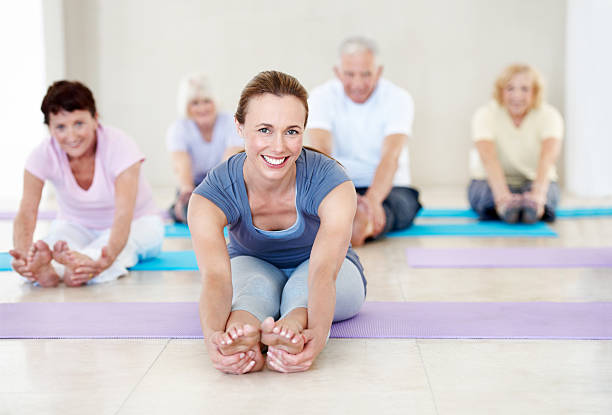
169, 261
565, 213
5, 261
477, 229
166, 261
180, 230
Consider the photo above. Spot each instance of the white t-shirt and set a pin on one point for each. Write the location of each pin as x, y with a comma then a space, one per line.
518, 148
359, 130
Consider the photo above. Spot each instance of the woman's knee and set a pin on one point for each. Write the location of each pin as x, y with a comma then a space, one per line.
255, 280
350, 291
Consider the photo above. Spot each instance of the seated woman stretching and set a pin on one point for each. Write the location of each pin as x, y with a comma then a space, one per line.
518, 138
107, 220
290, 212
199, 140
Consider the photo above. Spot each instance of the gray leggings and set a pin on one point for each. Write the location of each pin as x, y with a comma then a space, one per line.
482, 201
265, 290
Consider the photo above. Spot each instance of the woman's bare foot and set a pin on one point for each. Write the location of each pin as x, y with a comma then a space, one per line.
70, 260
286, 333
239, 338
39, 264
363, 227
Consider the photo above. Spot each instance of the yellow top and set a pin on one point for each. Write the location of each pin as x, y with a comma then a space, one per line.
518, 148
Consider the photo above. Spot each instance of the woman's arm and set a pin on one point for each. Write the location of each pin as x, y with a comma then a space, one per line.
126, 191
551, 148
181, 163
206, 222
495, 173
336, 213
25, 221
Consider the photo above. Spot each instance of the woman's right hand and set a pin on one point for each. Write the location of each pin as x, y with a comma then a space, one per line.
235, 364
20, 264
506, 200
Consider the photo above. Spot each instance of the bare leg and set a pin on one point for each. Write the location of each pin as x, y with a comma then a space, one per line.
286, 333
241, 335
363, 227
39, 264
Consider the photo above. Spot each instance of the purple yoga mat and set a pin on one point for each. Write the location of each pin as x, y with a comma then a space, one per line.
48, 215
437, 320
509, 257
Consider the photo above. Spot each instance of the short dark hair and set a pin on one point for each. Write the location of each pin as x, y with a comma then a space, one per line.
68, 96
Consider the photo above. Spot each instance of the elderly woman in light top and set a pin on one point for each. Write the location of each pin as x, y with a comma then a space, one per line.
107, 221
518, 140
199, 140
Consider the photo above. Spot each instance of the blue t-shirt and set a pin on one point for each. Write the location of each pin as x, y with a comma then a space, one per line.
316, 176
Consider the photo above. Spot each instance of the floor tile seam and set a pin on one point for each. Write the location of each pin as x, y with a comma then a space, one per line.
431, 391
129, 395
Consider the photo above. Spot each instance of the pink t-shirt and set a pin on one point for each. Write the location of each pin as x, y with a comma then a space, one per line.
95, 207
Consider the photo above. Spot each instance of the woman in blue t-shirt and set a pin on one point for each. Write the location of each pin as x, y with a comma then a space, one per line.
288, 270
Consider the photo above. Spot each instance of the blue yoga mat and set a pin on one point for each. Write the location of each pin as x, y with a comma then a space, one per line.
167, 261
180, 230
446, 213
577, 212
477, 229
460, 229
177, 230
5, 261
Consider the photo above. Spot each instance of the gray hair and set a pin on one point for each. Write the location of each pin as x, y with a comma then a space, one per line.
192, 86
357, 44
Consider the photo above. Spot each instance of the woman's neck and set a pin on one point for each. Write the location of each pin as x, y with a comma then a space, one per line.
255, 184
206, 131
518, 119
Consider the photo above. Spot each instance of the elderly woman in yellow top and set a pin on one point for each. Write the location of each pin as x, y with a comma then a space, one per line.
518, 140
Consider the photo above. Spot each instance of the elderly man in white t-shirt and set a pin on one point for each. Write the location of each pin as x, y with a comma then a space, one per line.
364, 121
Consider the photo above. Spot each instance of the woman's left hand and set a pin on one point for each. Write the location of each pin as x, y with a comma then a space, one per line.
281, 361
538, 199
88, 268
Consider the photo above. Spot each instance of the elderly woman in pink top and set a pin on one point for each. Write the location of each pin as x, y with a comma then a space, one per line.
107, 220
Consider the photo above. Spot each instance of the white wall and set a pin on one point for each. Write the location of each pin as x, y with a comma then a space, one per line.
589, 88
22, 85
446, 53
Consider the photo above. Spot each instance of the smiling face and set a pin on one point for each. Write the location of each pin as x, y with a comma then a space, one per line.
359, 75
75, 131
202, 111
517, 95
273, 132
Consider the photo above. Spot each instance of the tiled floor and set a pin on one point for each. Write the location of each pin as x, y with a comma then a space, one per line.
353, 376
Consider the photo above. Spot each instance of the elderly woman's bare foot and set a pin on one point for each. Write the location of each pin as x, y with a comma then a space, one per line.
70, 260
39, 264
239, 338
285, 334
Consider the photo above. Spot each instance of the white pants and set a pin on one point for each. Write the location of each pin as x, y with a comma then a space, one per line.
145, 241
